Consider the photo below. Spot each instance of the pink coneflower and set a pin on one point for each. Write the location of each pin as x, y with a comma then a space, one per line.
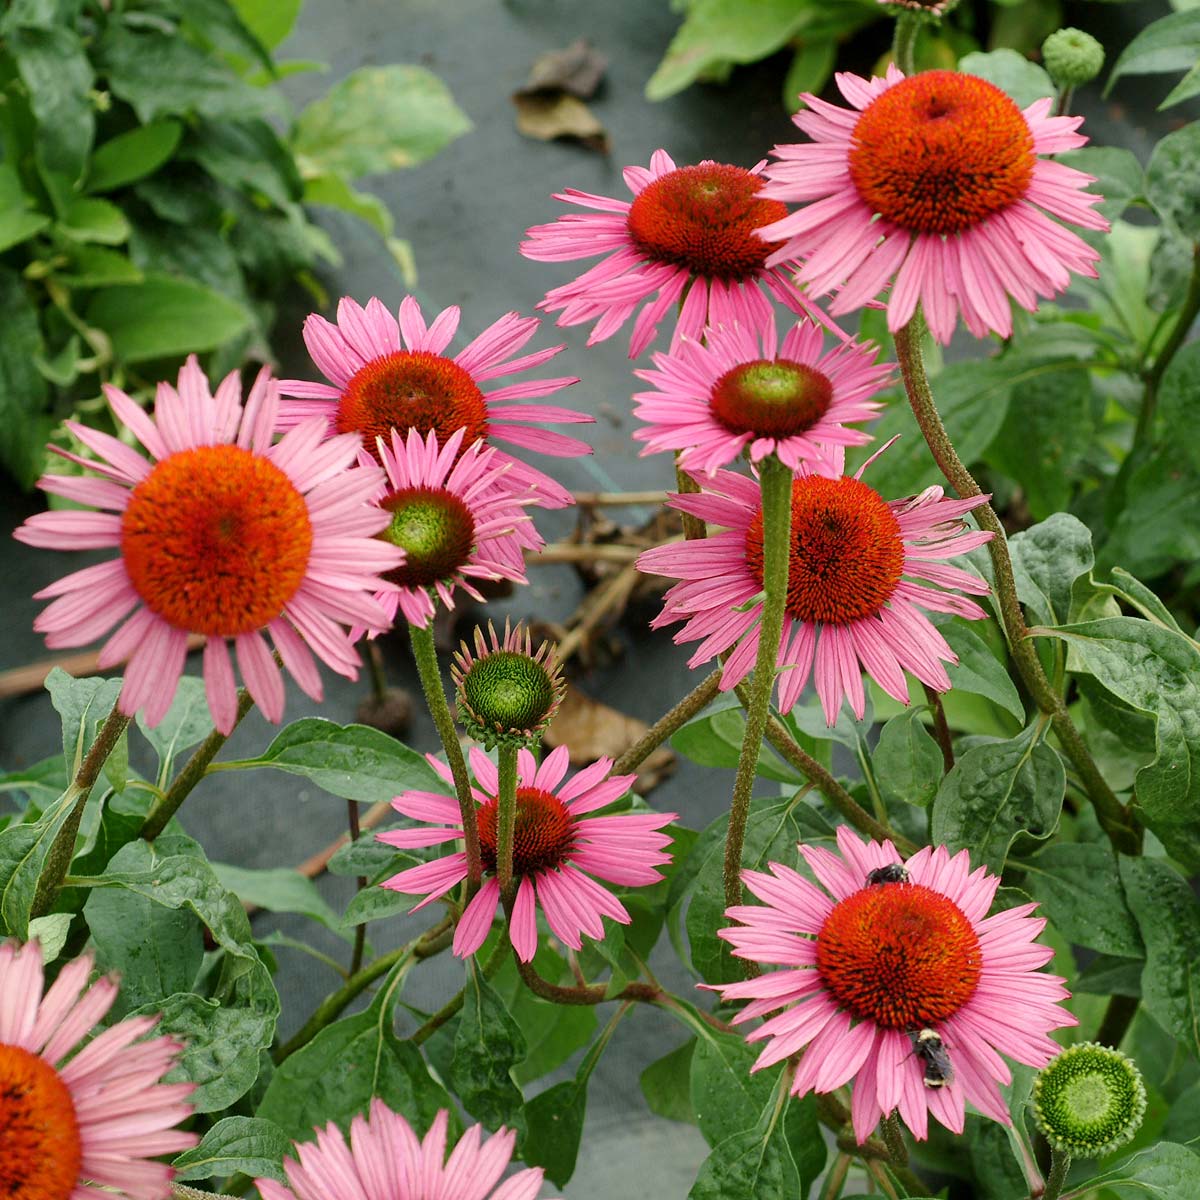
685, 225
871, 962
388, 375
81, 1119
554, 844
385, 1160
849, 606
219, 533
455, 520
738, 389
934, 183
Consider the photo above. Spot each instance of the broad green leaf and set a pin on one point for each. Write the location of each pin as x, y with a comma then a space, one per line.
219, 24
665, 1084
17, 227
714, 739
488, 1045
1120, 178
162, 317
90, 219
1179, 397
1079, 889
51, 934
23, 852
1155, 671
1165, 1172
978, 671
157, 950
334, 191
278, 889
1137, 595
1172, 186
997, 792
24, 422
1024, 81
353, 761
187, 722
369, 856
161, 75
237, 1145
54, 68
374, 903
247, 155
375, 120
1169, 44
269, 20
812, 66
908, 762
96, 266
42, 782
346, 1065
132, 156
1169, 918
1047, 560
726, 1097
83, 705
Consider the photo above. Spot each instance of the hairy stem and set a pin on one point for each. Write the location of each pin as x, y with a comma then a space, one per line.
506, 816
894, 1140
671, 721
693, 527
360, 931
941, 727
62, 850
1060, 1164
425, 654
1117, 822
904, 42
776, 483
193, 771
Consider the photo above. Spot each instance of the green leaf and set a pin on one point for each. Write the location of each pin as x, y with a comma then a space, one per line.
1169, 918
247, 155
714, 739
1179, 397
665, 1084
1165, 1172
17, 227
132, 156
90, 219
95, 266
270, 21
55, 69
346, 1065
908, 762
1079, 889
1047, 560
42, 782
51, 934
1172, 186
374, 903
353, 761
726, 1097
236, 1145
1046, 434
163, 317
23, 852
997, 792
24, 422
279, 890
187, 722
334, 191
1155, 671
375, 120
84, 705
369, 856
812, 66
1120, 178
488, 1045
555, 1126
162, 74
1024, 81
978, 671
157, 950
1169, 44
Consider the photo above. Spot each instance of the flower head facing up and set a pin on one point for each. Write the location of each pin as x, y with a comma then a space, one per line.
933, 183
1089, 1101
386, 1160
859, 574
81, 1120
450, 512
689, 237
741, 389
867, 967
507, 693
388, 375
218, 533
557, 848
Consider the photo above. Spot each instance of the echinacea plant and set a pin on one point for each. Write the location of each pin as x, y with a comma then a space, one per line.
956, 947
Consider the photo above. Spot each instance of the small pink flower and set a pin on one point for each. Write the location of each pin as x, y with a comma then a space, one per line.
393, 375
82, 1119
218, 533
868, 965
385, 1160
454, 520
694, 226
849, 606
933, 183
738, 389
554, 845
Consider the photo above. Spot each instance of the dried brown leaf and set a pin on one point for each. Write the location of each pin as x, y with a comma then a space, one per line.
559, 115
577, 69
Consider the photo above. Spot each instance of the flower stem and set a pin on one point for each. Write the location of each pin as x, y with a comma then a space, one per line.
1060, 1164
375, 668
671, 721
904, 42
894, 1140
506, 816
193, 771
62, 850
1117, 822
941, 727
776, 482
693, 528
360, 931
425, 654
835, 1180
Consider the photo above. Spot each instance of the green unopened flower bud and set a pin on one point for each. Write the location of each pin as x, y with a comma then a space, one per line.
1072, 57
1089, 1100
933, 9
507, 694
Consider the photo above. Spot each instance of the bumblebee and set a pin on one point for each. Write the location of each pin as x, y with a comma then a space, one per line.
929, 1048
892, 873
